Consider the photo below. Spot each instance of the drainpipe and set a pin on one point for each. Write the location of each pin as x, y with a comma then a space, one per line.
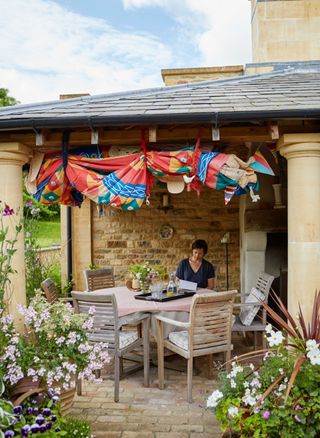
69, 245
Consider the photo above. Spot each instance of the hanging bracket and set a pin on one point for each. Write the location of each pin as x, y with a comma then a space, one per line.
215, 130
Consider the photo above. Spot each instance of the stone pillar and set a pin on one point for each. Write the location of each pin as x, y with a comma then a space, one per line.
12, 158
303, 154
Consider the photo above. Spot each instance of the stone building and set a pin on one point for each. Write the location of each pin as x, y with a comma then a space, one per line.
272, 104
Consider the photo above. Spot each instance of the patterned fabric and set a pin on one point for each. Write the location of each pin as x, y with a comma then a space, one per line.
127, 338
125, 181
248, 313
181, 339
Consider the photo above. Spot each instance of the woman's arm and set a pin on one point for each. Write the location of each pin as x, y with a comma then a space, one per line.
211, 283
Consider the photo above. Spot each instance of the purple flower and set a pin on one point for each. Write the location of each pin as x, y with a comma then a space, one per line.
9, 434
298, 408
43, 428
55, 398
35, 428
17, 409
7, 211
40, 419
25, 430
35, 410
46, 412
29, 204
49, 425
29, 410
57, 429
266, 415
53, 417
297, 418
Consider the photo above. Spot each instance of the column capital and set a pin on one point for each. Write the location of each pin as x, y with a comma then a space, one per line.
14, 153
299, 145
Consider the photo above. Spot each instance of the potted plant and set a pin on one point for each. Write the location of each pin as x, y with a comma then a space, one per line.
143, 274
280, 397
53, 349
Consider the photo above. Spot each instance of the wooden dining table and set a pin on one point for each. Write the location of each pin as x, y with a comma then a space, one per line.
129, 308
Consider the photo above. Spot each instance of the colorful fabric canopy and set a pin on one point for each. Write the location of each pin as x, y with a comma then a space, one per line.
125, 181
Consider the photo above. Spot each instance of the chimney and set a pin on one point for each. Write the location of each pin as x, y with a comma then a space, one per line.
285, 30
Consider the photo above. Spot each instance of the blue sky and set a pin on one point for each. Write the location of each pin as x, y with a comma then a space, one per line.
52, 47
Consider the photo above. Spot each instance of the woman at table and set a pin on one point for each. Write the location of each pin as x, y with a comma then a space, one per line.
195, 268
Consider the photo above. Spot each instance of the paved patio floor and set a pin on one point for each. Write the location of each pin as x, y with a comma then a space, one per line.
151, 412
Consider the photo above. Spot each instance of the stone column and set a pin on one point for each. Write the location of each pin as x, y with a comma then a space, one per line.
303, 154
12, 158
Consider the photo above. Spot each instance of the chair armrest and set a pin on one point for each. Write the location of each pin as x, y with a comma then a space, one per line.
173, 322
133, 319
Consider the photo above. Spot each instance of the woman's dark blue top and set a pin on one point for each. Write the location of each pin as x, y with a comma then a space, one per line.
185, 272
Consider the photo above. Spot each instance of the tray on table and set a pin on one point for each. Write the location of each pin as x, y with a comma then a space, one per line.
148, 296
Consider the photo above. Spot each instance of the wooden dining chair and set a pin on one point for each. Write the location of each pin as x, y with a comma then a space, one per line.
51, 292
252, 316
207, 332
98, 278
106, 328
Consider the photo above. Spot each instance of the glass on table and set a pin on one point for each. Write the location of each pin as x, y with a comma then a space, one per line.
156, 290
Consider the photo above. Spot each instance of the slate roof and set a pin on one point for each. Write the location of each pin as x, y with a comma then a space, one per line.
286, 94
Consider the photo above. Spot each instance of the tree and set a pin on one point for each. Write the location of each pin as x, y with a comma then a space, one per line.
5, 99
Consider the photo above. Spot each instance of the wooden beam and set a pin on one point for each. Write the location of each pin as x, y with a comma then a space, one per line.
180, 134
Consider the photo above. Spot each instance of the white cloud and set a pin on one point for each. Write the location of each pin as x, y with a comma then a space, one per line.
48, 50
219, 28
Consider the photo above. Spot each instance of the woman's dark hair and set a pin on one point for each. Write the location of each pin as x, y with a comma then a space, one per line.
200, 244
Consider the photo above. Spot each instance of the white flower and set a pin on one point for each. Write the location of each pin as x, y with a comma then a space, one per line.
251, 366
314, 356
248, 399
233, 411
233, 383
275, 339
269, 329
214, 398
311, 344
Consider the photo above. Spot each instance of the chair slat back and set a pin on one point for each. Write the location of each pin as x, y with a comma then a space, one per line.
263, 284
210, 320
99, 278
105, 317
50, 290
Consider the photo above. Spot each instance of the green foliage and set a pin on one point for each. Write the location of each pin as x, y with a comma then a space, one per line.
44, 212
37, 270
53, 348
5, 99
6, 410
8, 219
280, 398
40, 417
48, 233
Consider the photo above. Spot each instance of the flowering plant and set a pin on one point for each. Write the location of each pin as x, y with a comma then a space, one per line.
40, 416
280, 396
54, 347
146, 273
7, 248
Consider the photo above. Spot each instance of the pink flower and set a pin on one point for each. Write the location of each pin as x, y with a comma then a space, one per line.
266, 415
298, 419
298, 408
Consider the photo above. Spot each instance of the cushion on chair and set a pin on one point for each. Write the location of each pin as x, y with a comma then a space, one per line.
248, 313
127, 338
180, 339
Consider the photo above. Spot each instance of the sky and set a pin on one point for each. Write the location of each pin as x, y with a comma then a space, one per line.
53, 47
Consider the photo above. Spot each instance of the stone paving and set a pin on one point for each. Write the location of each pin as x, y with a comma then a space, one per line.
150, 412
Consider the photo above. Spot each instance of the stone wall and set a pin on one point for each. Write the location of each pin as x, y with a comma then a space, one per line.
121, 238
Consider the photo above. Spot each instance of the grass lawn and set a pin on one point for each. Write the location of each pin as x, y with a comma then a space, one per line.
48, 233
